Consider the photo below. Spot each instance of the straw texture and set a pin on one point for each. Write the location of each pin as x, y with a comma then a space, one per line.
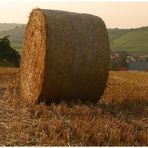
65, 57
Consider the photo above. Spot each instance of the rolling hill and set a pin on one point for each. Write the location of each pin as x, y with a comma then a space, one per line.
8, 26
16, 36
130, 40
116, 33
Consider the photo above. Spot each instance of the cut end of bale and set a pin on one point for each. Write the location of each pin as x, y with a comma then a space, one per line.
33, 59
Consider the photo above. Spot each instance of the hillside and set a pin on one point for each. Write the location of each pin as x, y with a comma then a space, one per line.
16, 36
116, 33
8, 26
131, 40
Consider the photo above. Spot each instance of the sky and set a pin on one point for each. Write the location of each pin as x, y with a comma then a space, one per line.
115, 14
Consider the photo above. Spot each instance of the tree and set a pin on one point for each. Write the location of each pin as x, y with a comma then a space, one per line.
8, 55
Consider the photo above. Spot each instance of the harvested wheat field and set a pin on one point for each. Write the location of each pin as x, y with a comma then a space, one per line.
119, 119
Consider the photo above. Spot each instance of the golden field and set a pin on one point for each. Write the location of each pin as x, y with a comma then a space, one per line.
119, 119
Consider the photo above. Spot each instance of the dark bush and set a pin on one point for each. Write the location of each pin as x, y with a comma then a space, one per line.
9, 57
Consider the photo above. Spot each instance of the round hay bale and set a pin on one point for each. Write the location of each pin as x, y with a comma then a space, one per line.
65, 57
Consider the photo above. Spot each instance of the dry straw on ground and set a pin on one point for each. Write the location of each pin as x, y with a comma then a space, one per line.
119, 119
65, 57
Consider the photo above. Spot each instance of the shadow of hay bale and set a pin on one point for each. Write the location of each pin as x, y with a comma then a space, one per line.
132, 106
67, 101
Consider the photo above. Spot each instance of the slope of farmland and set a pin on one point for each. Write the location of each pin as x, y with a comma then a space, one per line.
116, 33
8, 26
119, 119
130, 40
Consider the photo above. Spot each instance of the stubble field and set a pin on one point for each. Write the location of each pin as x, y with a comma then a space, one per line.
119, 119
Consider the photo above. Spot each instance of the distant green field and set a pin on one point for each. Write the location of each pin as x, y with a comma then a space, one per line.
131, 41
116, 33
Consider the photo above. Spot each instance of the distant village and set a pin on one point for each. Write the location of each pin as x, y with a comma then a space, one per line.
129, 61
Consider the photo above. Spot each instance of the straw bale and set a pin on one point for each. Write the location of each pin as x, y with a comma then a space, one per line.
65, 57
